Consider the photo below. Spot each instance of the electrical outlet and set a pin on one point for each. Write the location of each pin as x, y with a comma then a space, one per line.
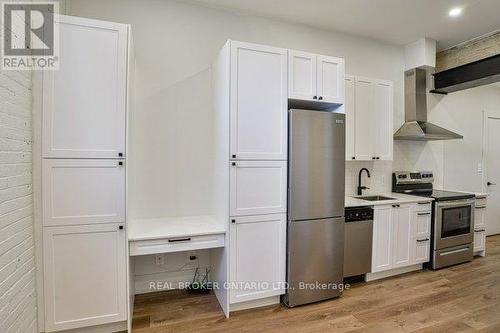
160, 259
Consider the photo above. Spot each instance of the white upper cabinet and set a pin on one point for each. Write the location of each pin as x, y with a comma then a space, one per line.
258, 102
369, 112
258, 187
350, 119
301, 75
258, 254
85, 276
315, 77
83, 191
383, 113
364, 119
330, 76
84, 102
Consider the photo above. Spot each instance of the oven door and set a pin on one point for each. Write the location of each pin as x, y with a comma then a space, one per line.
453, 223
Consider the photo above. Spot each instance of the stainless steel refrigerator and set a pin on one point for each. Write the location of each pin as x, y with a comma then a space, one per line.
315, 239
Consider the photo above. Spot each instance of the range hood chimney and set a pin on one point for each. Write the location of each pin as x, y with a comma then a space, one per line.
416, 127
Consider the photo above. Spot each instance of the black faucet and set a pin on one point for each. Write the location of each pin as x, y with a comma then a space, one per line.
361, 188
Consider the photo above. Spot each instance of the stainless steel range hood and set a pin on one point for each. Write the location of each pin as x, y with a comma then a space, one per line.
416, 127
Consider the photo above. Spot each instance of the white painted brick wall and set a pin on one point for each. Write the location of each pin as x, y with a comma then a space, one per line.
17, 261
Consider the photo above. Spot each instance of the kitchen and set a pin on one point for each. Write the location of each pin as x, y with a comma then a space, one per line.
201, 199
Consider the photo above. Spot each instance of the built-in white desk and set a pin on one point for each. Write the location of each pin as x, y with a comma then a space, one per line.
174, 234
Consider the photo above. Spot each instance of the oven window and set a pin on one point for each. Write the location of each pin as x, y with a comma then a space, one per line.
456, 221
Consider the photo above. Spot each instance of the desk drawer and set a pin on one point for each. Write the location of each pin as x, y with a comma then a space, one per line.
176, 244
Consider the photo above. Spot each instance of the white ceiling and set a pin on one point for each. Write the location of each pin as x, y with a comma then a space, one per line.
394, 21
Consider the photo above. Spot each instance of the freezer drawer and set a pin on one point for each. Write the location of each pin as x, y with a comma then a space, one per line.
315, 254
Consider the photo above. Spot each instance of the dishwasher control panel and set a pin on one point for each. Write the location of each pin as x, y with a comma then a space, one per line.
358, 214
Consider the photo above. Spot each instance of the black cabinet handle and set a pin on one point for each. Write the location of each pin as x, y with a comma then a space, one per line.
233, 156
481, 207
233, 164
373, 158
422, 240
480, 230
233, 221
396, 206
490, 183
320, 98
422, 214
120, 154
424, 203
353, 157
315, 97
179, 240
120, 163
378, 158
120, 227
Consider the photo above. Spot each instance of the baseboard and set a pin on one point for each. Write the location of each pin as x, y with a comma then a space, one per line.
254, 304
392, 272
107, 328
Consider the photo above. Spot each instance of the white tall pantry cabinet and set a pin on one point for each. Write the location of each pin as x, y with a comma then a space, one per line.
83, 151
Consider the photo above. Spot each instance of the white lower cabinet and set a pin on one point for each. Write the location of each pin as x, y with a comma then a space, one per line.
401, 237
85, 275
257, 257
480, 226
258, 187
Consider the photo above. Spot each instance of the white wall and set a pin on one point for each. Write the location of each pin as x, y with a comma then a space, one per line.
17, 260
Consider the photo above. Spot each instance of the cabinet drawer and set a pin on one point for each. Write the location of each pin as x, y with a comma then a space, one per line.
481, 202
421, 250
423, 207
479, 217
176, 244
83, 192
479, 240
258, 187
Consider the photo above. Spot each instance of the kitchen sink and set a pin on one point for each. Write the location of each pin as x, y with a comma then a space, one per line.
375, 198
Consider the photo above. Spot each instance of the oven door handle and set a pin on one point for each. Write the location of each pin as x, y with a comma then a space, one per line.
455, 203
442, 254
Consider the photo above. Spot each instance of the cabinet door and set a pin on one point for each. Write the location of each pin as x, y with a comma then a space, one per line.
258, 187
402, 236
382, 239
259, 102
365, 126
301, 75
84, 102
330, 76
82, 191
84, 276
350, 119
383, 117
257, 255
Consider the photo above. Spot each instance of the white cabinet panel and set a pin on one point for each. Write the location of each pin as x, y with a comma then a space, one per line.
301, 75
82, 191
85, 276
402, 220
479, 240
350, 116
258, 187
365, 119
422, 225
258, 255
479, 218
330, 84
383, 112
382, 239
84, 102
258, 103
421, 250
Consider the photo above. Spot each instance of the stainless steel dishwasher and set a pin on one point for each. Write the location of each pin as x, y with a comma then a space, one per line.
358, 241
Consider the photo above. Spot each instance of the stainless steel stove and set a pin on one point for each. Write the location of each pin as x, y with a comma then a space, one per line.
452, 217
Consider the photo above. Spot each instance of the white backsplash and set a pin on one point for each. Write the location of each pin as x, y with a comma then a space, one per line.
379, 182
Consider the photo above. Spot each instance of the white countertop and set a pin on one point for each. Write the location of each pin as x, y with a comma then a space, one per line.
170, 227
399, 198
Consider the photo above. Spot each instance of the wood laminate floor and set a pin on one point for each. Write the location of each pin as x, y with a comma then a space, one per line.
463, 298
